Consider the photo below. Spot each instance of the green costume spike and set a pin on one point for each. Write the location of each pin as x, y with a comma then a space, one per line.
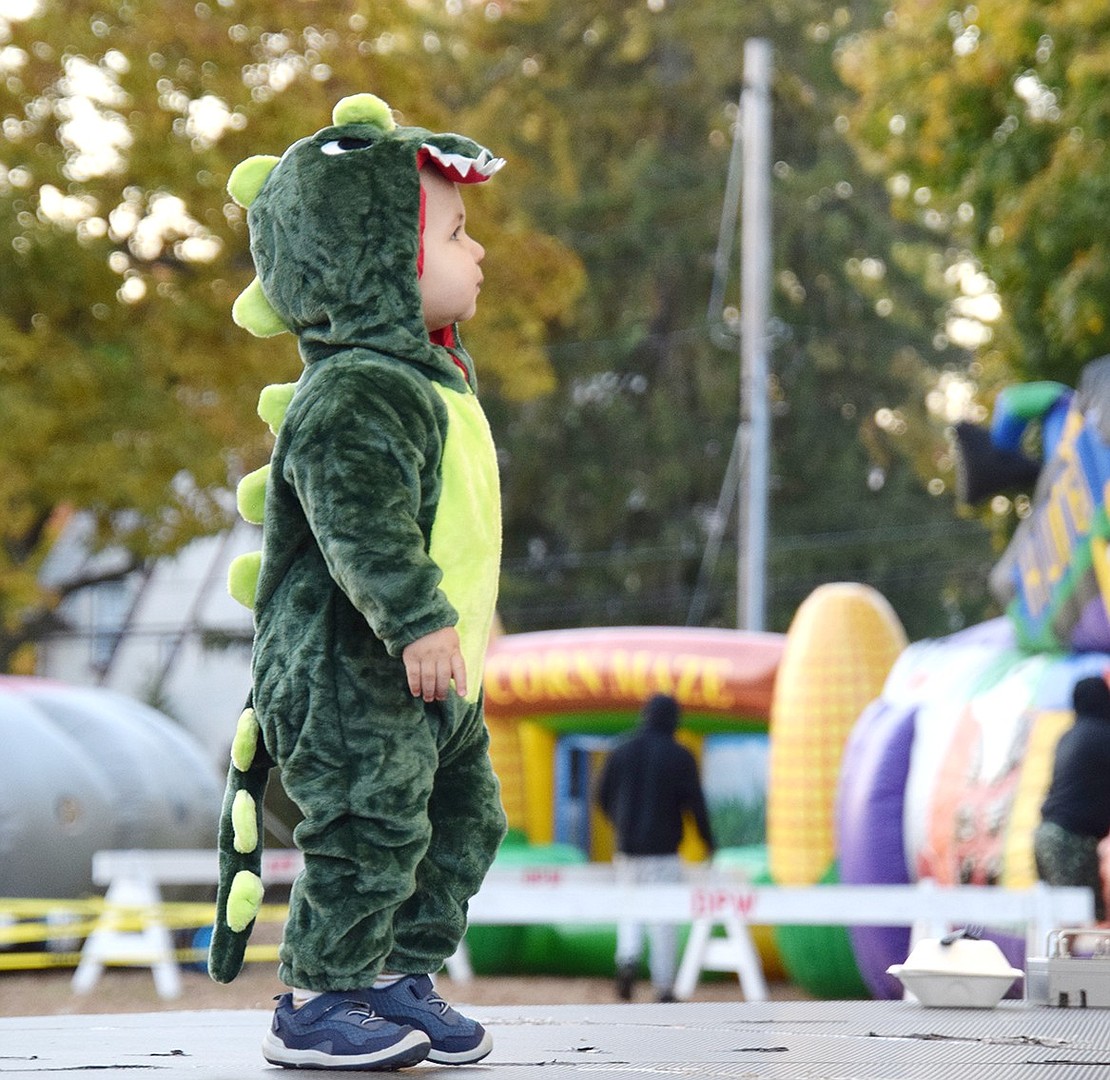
364, 109
244, 900
381, 525
242, 577
253, 312
244, 827
245, 743
273, 402
247, 178
250, 495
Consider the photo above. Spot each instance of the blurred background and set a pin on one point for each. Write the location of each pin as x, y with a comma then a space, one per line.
938, 191
935, 201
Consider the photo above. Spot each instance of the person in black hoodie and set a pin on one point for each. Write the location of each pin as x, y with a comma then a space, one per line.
647, 783
1075, 814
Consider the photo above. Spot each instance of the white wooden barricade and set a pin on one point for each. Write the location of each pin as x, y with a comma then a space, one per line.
135, 879
564, 895
589, 894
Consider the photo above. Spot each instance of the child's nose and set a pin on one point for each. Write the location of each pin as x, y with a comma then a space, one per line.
479, 251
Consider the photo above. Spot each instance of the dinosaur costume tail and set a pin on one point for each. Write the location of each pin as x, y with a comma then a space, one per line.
239, 894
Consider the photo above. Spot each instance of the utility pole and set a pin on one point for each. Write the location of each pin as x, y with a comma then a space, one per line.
755, 304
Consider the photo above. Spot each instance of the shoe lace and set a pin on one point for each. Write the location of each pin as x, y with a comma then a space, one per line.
434, 999
359, 1008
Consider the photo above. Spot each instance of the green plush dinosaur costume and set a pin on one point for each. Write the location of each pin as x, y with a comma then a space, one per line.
381, 523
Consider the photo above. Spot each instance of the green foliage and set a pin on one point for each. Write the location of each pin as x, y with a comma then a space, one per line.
130, 394
738, 822
997, 117
620, 115
128, 391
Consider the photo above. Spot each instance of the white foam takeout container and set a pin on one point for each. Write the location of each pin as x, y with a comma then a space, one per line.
967, 974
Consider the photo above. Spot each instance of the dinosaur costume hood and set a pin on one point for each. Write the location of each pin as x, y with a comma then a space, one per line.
335, 227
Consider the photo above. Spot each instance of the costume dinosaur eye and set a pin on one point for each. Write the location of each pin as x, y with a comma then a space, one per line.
345, 145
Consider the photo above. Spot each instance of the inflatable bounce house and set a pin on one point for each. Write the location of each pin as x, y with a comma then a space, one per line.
943, 774
864, 759
86, 769
557, 700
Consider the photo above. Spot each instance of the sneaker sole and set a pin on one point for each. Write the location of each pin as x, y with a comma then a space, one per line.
410, 1050
463, 1057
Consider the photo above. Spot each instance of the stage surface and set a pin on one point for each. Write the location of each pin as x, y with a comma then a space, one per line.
776, 1040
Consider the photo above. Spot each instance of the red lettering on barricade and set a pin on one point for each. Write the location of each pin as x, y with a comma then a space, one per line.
280, 864
719, 903
541, 875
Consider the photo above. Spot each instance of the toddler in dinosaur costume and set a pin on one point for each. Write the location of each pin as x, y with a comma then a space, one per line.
374, 591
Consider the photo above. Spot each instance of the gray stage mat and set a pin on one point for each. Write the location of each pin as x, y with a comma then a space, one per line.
795, 1040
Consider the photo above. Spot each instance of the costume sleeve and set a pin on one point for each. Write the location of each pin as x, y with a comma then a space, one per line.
364, 448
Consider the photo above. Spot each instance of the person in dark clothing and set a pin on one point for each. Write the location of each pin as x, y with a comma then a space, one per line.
646, 784
1075, 814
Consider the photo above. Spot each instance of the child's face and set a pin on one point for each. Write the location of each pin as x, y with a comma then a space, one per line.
451, 276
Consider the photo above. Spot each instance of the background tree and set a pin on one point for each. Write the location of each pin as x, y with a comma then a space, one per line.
128, 393
619, 116
993, 123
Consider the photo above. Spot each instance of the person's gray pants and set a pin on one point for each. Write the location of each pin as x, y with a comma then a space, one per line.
662, 937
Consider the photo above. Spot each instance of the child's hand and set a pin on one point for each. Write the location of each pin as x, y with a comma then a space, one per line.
431, 662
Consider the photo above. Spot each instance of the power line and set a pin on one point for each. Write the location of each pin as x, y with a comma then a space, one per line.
902, 535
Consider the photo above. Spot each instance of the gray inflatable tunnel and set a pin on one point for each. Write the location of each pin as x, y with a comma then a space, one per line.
83, 769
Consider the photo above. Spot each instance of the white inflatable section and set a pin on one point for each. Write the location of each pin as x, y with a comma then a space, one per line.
940, 674
83, 770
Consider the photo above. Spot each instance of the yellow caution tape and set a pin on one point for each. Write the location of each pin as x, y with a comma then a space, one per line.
36, 961
43, 960
21, 933
26, 921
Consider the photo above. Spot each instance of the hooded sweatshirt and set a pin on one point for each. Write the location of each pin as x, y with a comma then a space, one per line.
1078, 797
647, 783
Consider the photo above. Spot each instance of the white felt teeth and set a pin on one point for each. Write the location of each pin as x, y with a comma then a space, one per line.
462, 169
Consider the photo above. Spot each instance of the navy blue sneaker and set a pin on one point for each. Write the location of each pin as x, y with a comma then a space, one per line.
456, 1039
338, 1031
